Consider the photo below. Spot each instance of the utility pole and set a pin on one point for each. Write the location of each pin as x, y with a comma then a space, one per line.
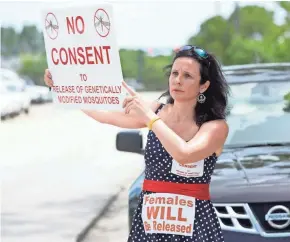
218, 7
140, 65
237, 18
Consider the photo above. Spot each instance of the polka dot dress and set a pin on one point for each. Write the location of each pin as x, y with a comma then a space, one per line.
158, 168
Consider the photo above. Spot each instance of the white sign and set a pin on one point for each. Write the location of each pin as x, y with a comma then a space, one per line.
168, 214
83, 57
194, 169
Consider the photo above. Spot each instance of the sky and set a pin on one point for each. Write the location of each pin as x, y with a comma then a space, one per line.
149, 24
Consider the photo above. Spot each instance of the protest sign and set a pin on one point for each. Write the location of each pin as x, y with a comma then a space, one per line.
168, 214
83, 57
188, 170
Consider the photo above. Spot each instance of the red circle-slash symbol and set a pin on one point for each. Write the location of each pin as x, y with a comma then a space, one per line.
51, 26
102, 22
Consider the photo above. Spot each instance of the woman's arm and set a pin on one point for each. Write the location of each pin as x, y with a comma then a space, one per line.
119, 118
211, 137
129, 120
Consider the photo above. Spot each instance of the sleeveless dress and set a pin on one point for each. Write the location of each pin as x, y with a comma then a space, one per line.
158, 167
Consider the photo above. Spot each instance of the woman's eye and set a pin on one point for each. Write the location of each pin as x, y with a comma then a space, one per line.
187, 75
175, 73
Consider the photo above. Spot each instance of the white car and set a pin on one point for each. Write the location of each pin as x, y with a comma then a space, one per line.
16, 88
21, 95
39, 94
9, 103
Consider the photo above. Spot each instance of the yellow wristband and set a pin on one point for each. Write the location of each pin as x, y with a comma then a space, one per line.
152, 121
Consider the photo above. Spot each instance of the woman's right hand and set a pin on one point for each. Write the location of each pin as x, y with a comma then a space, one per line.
47, 78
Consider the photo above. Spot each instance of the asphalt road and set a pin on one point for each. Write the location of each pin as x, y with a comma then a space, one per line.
58, 169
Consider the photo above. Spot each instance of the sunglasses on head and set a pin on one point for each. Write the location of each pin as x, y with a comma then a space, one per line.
197, 50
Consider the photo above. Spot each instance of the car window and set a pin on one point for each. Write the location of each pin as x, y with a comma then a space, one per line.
4, 77
259, 109
3, 89
8, 75
12, 88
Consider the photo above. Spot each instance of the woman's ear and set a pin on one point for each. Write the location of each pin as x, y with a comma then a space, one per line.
204, 86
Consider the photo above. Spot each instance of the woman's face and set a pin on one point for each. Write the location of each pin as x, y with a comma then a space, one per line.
184, 80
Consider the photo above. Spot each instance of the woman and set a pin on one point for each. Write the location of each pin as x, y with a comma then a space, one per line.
186, 136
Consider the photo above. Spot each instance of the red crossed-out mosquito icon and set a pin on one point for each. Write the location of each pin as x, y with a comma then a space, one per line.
102, 22
51, 26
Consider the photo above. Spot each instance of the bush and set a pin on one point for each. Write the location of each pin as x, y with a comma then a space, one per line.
33, 66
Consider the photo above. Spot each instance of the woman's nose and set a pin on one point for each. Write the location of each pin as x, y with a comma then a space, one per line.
177, 80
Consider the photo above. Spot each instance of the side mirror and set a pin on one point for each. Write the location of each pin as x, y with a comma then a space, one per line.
130, 141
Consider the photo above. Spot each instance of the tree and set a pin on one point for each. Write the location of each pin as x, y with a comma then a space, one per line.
31, 40
129, 63
33, 66
252, 21
154, 73
9, 41
249, 35
244, 51
286, 6
283, 43
149, 70
215, 35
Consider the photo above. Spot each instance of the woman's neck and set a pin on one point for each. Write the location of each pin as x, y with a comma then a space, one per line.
182, 111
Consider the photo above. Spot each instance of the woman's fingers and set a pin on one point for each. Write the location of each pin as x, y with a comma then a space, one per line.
50, 83
127, 100
47, 74
47, 81
48, 78
129, 106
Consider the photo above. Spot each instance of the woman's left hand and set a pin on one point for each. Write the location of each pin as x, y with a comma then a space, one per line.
134, 102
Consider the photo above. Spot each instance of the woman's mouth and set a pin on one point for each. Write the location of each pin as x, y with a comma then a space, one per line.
176, 90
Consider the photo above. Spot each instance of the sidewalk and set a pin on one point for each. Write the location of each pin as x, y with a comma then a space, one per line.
113, 226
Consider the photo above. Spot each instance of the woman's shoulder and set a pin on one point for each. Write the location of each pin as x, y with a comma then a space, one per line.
218, 125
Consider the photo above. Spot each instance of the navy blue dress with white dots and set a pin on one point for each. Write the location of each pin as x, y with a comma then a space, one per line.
158, 168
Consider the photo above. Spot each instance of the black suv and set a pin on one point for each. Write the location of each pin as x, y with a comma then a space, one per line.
250, 187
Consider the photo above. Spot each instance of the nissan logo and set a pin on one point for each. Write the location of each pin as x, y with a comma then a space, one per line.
273, 216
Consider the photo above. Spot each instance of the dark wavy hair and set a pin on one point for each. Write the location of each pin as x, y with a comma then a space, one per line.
216, 103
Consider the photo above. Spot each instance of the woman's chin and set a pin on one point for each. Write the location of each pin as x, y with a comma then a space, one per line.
179, 98
177, 95
182, 98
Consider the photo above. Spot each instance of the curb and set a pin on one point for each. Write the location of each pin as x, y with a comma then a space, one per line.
82, 235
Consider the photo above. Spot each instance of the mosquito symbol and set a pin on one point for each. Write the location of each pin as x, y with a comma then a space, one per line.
102, 23
51, 26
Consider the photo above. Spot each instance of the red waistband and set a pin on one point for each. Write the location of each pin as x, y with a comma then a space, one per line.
200, 191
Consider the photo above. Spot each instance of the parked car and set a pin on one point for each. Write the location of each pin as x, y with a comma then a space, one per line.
250, 187
16, 88
21, 95
9, 104
39, 94
134, 84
